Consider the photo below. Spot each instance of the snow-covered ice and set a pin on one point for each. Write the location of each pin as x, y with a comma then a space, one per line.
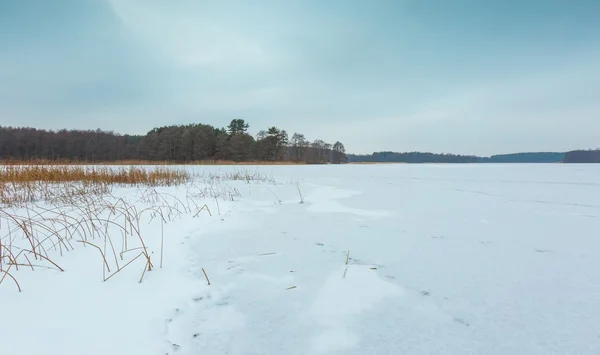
379, 259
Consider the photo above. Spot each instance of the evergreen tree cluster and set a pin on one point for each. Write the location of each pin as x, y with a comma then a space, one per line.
177, 143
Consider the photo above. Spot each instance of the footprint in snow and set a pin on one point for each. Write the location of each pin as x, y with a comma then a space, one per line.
461, 321
175, 347
177, 312
200, 298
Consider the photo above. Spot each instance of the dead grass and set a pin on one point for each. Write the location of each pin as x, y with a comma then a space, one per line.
33, 235
238, 175
49, 210
20, 184
132, 175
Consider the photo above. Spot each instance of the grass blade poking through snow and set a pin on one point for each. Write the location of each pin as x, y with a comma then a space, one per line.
205, 275
300, 193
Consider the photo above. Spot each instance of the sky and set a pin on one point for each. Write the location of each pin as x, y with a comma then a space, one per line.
445, 76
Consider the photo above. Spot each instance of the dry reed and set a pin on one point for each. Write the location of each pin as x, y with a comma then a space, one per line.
131, 175
47, 210
23, 184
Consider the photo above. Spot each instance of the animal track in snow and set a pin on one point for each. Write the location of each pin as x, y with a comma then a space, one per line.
206, 321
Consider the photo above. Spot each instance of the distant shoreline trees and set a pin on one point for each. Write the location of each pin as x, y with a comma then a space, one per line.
420, 157
176, 143
582, 156
531, 157
411, 157
202, 142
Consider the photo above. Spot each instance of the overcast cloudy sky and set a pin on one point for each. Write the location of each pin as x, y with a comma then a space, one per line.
461, 76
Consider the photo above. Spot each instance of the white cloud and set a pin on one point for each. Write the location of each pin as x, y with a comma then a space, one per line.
192, 37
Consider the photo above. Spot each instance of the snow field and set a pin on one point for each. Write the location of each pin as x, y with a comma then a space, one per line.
379, 259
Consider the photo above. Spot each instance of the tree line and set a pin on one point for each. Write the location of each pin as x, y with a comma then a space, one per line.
411, 157
535, 157
176, 143
582, 156
528, 157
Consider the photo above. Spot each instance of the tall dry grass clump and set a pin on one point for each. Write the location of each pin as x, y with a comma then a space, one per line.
21, 184
77, 207
132, 175
49, 210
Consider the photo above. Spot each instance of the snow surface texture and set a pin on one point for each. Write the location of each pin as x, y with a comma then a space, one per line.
379, 259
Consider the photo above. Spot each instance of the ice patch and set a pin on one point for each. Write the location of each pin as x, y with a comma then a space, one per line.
336, 207
346, 293
326, 203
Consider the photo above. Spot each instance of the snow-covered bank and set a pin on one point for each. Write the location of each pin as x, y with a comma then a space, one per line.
443, 259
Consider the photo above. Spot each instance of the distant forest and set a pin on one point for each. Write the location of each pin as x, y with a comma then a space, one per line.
182, 143
579, 156
583, 156
412, 157
545, 157
202, 142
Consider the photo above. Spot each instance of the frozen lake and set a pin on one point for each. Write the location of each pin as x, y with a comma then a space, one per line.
441, 259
